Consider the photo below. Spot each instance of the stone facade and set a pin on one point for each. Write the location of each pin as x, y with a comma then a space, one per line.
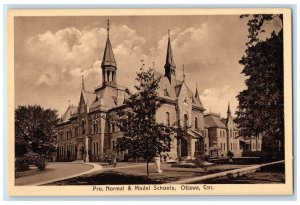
86, 131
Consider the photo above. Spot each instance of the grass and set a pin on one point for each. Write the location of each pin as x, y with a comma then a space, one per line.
137, 175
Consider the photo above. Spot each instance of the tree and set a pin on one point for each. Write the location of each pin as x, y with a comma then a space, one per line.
143, 136
35, 130
261, 109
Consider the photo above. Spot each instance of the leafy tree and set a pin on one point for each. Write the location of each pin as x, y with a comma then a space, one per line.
35, 130
143, 136
261, 109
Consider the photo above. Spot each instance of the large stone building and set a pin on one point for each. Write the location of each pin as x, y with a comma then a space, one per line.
85, 132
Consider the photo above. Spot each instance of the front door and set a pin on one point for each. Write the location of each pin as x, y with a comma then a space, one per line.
184, 147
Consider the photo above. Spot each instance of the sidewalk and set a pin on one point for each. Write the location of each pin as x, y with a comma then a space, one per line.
222, 174
56, 172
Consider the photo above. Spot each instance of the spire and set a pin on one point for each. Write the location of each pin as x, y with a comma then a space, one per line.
170, 65
228, 110
109, 65
183, 74
82, 83
197, 93
108, 57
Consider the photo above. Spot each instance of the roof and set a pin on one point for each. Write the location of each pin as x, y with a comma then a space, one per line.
89, 97
213, 120
67, 115
108, 57
169, 58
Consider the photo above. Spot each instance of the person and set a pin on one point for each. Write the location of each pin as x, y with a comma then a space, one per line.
114, 160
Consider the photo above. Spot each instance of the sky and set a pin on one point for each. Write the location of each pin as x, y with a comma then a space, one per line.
52, 53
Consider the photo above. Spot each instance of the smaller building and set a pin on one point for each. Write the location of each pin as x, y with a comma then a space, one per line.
223, 136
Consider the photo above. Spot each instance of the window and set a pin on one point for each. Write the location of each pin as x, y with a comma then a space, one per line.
224, 146
113, 145
185, 120
230, 146
196, 123
167, 118
185, 100
230, 133
166, 93
220, 133
82, 127
61, 135
95, 127
76, 131
113, 125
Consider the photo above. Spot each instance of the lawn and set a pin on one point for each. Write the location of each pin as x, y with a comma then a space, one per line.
136, 174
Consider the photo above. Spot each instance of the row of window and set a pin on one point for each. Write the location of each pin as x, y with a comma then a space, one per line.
233, 146
185, 120
67, 149
231, 134
69, 133
70, 148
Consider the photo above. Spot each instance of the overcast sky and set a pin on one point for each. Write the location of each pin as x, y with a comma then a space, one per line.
51, 54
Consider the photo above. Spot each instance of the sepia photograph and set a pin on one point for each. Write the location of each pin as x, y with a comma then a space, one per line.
150, 102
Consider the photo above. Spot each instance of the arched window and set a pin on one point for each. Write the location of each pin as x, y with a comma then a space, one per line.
185, 120
113, 127
82, 127
168, 118
95, 127
196, 123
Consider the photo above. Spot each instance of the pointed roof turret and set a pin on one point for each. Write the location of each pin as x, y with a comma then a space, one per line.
82, 83
197, 93
228, 110
169, 58
170, 65
108, 57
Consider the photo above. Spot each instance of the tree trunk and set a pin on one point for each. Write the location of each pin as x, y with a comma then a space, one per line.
147, 169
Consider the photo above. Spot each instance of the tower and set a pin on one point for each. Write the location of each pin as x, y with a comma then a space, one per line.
109, 65
170, 65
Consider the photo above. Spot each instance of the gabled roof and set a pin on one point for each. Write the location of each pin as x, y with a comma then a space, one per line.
89, 97
213, 120
67, 115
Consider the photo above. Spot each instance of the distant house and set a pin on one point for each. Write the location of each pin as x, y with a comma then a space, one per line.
223, 136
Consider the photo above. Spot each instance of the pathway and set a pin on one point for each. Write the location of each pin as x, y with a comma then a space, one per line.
58, 171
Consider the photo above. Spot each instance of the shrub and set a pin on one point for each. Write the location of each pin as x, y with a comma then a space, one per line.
22, 164
230, 154
31, 158
36, 160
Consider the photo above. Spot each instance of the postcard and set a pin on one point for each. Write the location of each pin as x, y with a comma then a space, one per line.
128, 102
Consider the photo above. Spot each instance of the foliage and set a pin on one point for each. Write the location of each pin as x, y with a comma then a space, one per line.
143, 136
230, 154
261, 109
35, 130
21, 164
31, 158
